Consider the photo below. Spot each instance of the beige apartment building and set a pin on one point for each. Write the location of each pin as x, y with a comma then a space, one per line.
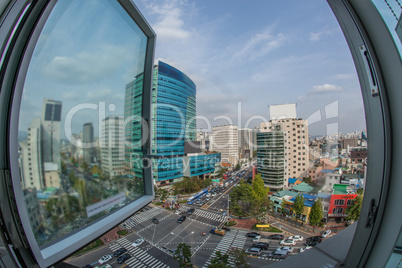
224, 140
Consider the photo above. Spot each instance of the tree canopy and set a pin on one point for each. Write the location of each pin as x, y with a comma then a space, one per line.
183, 255
298, 205
219, 261
353, 209
316, 213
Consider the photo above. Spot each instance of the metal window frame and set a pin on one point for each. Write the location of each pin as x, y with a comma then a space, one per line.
379, 68
17, 48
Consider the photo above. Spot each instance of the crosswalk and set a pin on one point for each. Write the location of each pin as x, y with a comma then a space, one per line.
139, 258
230, 240
205, 214
141, 217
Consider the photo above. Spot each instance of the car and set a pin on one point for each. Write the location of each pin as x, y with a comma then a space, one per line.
118, 252
314, 238
305, 248
286, 249
123, 258
278, 255
312, 243
325, 233
155, 220
138, 242
254, 251
287, 242
257, 239
252, 234
263, 245
181, 219
190, 211
296, 237
276, 237
105, 259
177, 212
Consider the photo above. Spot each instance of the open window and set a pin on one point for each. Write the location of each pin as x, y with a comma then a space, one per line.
67, 84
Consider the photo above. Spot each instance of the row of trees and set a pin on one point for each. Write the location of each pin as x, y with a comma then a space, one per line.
190, 185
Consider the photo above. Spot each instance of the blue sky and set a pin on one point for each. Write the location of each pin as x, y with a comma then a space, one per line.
247, 54
259, 53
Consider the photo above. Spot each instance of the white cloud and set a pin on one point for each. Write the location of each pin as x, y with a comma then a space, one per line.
317, 36
86, 66
325, 88
170, 25
259, 45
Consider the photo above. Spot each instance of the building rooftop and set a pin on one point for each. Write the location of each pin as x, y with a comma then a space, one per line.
303, 187
340, 189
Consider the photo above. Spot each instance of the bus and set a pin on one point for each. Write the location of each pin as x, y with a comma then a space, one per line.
197, 196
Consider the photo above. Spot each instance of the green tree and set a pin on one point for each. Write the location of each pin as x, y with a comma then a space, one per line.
298, 205
239, 257
353, 209
220, 261
84, 166
316, 213
183, 255
259, 198
307, 180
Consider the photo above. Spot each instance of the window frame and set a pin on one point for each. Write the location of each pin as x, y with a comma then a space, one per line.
21, 24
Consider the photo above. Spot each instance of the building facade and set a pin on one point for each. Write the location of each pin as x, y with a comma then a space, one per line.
245, 142
224, 139
88, 142
50, 131
112, 145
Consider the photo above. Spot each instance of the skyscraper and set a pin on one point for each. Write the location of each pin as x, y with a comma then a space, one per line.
224, 139
285, 125
88, 139
50, 132
112, 145
173, 122
245, 138
32, 173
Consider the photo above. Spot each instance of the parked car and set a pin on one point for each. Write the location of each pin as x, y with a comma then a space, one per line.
276, 237
118, 252
288, 242
278, 255
263, 246
138, 242
181, 219
254, 251
190, 211
296, 237
312, 243
123, 258
252, 234
325, 233
257, 239
155, 220
286, 249
305, 248
105, 259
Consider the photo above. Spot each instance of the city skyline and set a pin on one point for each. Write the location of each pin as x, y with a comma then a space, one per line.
267, 60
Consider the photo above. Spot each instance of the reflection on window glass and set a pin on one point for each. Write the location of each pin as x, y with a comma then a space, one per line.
391, 11
80, 118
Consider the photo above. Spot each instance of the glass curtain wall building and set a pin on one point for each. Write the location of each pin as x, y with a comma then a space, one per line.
173, 114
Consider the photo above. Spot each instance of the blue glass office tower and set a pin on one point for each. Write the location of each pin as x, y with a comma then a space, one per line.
173, 120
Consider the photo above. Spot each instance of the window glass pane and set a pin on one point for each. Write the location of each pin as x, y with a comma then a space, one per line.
390, 10
80, 118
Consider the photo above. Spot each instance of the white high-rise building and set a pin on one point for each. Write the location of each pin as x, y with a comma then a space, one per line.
32, 173
224, 140
112, 145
